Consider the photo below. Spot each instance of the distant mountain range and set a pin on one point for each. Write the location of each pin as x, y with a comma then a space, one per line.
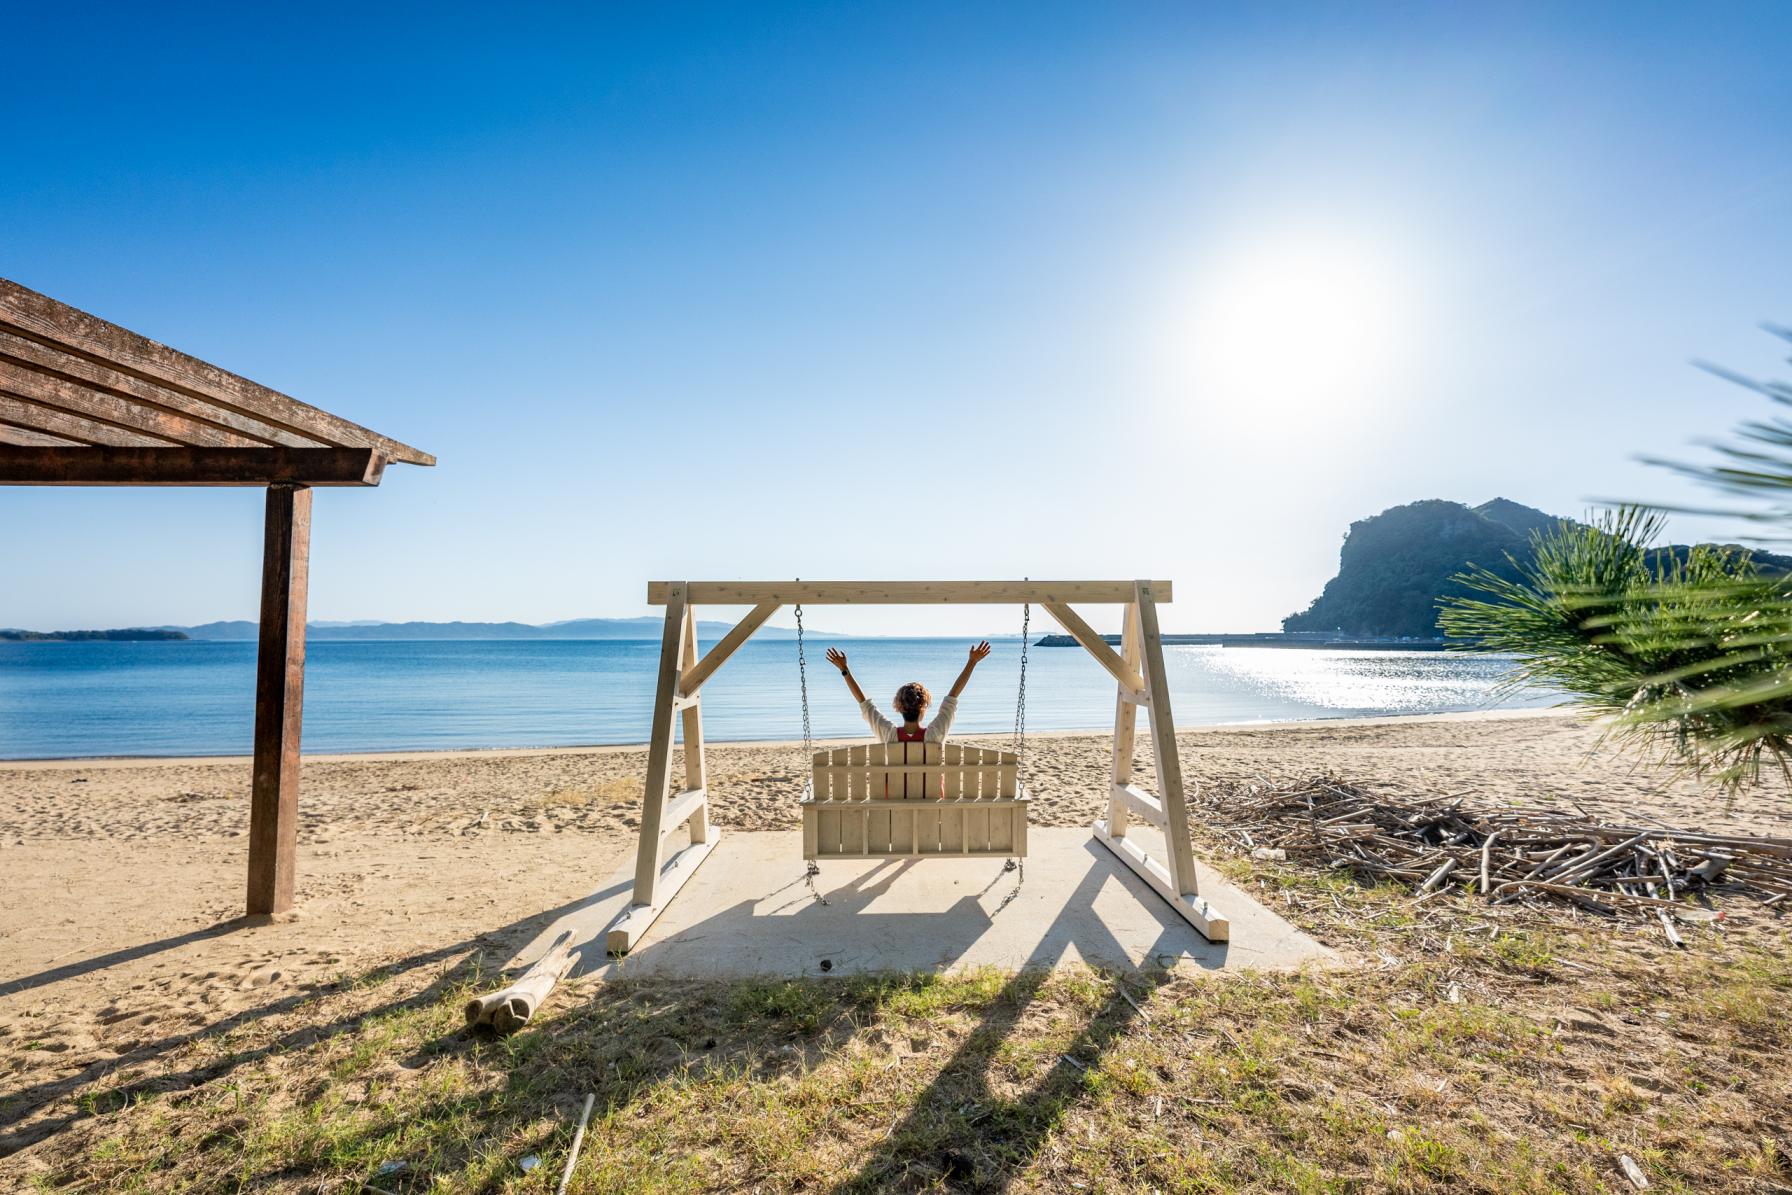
1394, 566
645, 627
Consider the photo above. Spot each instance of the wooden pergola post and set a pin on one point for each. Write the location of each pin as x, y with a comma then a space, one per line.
279, 699
84, 402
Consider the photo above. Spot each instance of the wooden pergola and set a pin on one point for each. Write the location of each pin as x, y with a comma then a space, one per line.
85, 402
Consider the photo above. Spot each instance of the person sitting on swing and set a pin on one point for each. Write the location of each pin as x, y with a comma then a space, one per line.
912, 701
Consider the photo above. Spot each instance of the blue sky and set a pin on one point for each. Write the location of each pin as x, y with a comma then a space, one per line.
911, 291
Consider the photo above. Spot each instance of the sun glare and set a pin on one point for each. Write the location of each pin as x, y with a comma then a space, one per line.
1306, 328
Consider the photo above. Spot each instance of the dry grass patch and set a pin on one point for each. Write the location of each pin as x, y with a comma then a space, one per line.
1525, 1061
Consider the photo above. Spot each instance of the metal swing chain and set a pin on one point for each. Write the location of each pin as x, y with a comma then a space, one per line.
1020, 741
802, 673
808, 772
1020, 699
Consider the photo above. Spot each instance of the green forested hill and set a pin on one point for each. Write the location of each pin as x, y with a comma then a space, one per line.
1394, 566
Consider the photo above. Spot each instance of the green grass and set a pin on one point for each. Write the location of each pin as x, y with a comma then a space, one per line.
1459, 1055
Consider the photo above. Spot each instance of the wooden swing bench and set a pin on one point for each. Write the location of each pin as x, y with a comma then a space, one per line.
912, 800
885, 800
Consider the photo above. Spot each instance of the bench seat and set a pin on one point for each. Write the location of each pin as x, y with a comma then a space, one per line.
915, 800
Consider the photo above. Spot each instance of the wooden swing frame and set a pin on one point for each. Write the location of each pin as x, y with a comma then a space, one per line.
1137, 669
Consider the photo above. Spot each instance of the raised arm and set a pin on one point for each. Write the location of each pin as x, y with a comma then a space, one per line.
837, 658
979, 653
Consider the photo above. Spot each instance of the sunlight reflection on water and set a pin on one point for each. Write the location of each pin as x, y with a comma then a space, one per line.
1333, 683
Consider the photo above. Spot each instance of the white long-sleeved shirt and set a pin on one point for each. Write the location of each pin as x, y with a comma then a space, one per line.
885, 730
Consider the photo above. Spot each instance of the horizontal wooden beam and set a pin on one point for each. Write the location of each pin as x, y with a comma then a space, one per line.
106, 465
681, 808
899, 593
1141, 804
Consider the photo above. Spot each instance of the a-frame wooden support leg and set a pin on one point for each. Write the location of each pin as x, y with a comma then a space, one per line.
658, 878
695, 772
1126, 725
1174, 878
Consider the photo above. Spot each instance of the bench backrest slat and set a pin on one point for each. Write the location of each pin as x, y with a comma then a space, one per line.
915, 772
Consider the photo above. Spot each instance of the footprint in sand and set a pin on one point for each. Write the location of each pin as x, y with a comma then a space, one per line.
262, 976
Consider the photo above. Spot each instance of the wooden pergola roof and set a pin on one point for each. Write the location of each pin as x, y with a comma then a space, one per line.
86, 402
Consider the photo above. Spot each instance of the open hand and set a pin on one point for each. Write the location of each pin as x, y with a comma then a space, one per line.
981, 652
837, 658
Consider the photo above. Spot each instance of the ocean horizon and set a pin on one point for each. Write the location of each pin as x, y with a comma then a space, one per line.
196, 698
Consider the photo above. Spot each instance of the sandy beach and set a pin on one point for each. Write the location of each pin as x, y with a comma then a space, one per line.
122, 877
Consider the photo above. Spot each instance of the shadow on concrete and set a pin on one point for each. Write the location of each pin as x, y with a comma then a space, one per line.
776, 927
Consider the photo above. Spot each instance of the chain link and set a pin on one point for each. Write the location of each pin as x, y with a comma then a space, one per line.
1020, 740
1019, 867
802, 673
1020, 699
808, 769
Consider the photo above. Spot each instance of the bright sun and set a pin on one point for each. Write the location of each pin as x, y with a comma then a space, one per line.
1300, 327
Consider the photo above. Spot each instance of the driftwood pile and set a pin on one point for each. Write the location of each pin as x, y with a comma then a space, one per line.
1506, 855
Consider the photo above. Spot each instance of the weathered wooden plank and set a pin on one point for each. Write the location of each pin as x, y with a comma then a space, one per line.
26, 437
57, 325
119, 465
279, 700
72, 428
147, 395
75, 399
836, 593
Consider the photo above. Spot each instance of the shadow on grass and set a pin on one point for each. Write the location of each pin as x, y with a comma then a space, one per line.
643, 1046
962, 1134
638, 1044
18, 1106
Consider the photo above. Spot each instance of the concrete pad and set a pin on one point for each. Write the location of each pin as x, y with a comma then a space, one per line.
748, 912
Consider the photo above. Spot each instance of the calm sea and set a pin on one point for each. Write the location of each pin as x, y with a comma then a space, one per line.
197, 698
